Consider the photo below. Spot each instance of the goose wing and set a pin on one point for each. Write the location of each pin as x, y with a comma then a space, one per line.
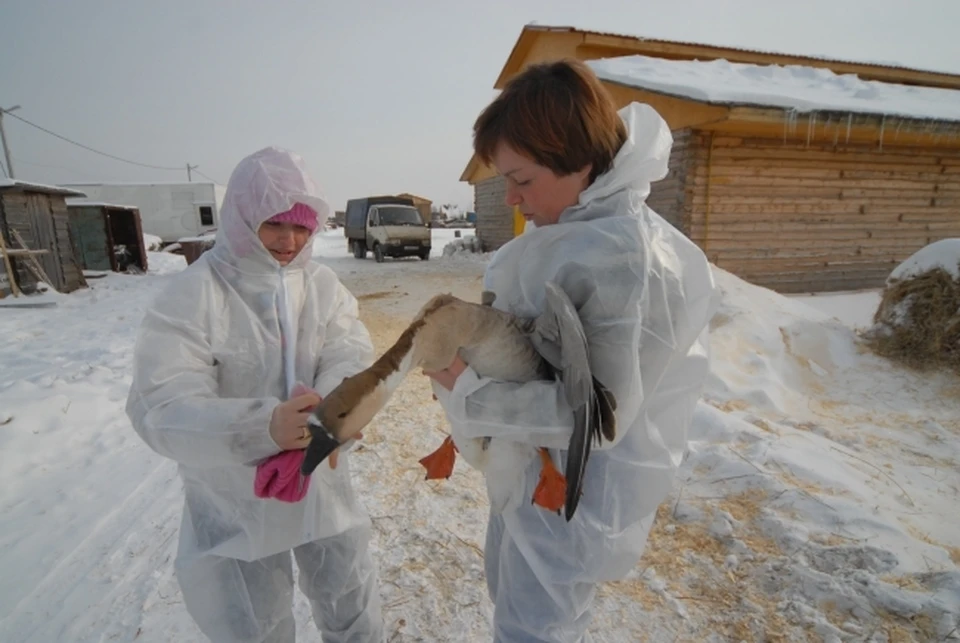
558, 336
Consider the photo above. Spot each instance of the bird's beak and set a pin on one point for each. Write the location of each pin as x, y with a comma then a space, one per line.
322, 444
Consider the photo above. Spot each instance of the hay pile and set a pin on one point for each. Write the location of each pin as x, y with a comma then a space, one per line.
918, 320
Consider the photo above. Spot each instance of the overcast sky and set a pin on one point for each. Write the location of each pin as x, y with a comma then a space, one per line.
379, 97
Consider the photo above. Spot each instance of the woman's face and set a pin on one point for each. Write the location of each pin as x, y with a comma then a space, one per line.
283, 240
540, 194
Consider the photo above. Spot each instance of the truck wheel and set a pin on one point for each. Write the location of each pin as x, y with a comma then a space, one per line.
425, 255
378, 253
359, 249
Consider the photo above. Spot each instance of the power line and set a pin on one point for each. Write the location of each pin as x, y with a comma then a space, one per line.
87, 147
206, 177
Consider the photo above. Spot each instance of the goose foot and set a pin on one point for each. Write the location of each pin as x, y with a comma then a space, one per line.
439, 464
551, 491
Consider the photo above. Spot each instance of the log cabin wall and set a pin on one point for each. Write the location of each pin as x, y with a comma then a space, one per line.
667, 195
795, 217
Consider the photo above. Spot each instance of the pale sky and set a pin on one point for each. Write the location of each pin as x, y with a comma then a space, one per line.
379, 97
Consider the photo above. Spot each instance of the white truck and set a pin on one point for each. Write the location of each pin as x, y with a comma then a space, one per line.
170, 211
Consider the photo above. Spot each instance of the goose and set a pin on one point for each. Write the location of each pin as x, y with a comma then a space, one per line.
498, 345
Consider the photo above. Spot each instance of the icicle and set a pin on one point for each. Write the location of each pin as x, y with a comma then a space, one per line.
849, 124
811, 125
789, 124
883, 124
896, 134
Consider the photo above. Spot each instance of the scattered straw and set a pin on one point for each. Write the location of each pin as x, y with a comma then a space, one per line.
730, 406
379, 295
882, 472
954, 554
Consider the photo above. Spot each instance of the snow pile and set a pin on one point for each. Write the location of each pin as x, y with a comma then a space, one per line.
815, 501
165, 263
943, 254
794, 87
918, 320
463, 245
152, 242
854, 308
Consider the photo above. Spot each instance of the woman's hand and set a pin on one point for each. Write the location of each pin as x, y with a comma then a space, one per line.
447, 378
288, 424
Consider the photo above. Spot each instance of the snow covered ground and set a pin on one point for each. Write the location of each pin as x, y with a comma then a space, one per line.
817, 501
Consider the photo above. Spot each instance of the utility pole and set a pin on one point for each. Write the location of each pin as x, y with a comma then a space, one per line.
190, 167
3, 137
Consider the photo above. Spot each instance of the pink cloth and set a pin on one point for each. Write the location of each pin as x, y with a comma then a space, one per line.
279, 476
299, 214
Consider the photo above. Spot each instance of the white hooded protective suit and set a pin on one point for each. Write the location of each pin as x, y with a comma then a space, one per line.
218, 350
645, 294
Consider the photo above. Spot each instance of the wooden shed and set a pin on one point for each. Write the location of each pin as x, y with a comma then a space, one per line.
34, 225
421, 204
798, 187
107, 236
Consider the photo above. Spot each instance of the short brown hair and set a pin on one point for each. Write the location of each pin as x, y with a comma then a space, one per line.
558, 114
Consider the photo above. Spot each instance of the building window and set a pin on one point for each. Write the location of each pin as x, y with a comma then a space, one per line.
206, 215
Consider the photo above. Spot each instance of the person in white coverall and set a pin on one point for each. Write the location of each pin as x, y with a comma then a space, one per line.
645, 293
217, 358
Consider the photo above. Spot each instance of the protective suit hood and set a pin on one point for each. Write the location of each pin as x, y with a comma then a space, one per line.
263, 184
642, 159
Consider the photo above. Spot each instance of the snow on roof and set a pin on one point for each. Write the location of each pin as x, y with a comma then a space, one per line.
101, 204
605, 28
207, 236
138, 183
6, 184
795, 87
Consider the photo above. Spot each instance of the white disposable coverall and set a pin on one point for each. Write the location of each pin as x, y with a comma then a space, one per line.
219, 348
645, 294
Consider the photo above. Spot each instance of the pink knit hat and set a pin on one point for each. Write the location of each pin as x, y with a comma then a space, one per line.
299, 214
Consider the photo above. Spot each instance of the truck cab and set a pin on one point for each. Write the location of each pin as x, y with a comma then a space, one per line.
388, 227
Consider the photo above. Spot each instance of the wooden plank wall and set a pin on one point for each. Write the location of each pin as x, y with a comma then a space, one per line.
90, 235
5, 286
39, 208
17, 217
822, 217
667, 195
494, 216
42, 222
68, 266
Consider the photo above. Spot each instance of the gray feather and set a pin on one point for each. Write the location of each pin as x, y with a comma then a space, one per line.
558, 335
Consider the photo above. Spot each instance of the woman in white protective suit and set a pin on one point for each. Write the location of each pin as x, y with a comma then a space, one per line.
581, 171
217, 359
